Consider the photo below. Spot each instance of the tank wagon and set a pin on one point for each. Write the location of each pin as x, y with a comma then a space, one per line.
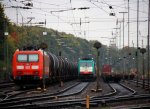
32, 66
86, 69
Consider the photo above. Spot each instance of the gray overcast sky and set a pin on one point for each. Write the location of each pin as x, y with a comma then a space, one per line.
96, 22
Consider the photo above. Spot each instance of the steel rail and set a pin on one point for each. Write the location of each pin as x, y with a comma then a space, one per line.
38, 98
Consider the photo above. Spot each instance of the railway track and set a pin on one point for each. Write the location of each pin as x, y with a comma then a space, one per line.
38, 96
8, 90
5, 84
94, 100
120, 93
52, 96
140, 83
80, 102
13, 92
75, 90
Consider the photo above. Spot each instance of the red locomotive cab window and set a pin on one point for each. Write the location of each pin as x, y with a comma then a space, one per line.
22, 58
33, 58
28, 58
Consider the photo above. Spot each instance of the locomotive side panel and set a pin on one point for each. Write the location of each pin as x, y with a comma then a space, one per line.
46, 73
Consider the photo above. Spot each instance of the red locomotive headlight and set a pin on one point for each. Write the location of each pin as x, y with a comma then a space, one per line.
35, 67
36, 73
19, 73
20, 67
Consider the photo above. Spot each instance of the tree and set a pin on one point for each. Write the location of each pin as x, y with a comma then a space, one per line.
3, 22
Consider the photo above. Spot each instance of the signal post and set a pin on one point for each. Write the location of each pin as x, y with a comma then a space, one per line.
97, 45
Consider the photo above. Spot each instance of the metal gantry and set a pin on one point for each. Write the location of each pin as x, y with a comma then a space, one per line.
148, 43
123, 44
137, 65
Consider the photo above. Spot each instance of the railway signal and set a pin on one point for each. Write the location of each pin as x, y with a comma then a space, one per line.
7, 54
97, 45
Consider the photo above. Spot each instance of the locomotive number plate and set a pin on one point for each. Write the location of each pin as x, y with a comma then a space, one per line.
27, 67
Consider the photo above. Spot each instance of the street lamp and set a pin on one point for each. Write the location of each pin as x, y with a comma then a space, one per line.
137, 65
143, 50
97, 45
106, 60
120, 63
133, 62
124, 67
129, 66
7, 63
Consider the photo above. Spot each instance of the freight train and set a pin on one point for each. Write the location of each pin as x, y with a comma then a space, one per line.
86, 69
32, 66
109, 75
131, 75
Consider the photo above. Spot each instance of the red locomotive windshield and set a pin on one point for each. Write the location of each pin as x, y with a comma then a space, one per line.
22, 58
27, 58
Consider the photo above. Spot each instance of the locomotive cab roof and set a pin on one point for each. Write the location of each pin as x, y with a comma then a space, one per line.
86, 58
28, 48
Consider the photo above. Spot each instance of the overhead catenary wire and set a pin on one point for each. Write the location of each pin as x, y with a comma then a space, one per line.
118, 6
98, 6
33, 7
104, 2
71, 14
57, 17
73, 19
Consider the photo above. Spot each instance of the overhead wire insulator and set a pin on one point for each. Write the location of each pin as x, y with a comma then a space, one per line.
84, 8
21, 7
26, 8
110, 7
41, 22
29, 4
80, 21
112, 12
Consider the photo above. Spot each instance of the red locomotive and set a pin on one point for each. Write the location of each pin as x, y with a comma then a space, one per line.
106, 72
32, 66
109, 75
